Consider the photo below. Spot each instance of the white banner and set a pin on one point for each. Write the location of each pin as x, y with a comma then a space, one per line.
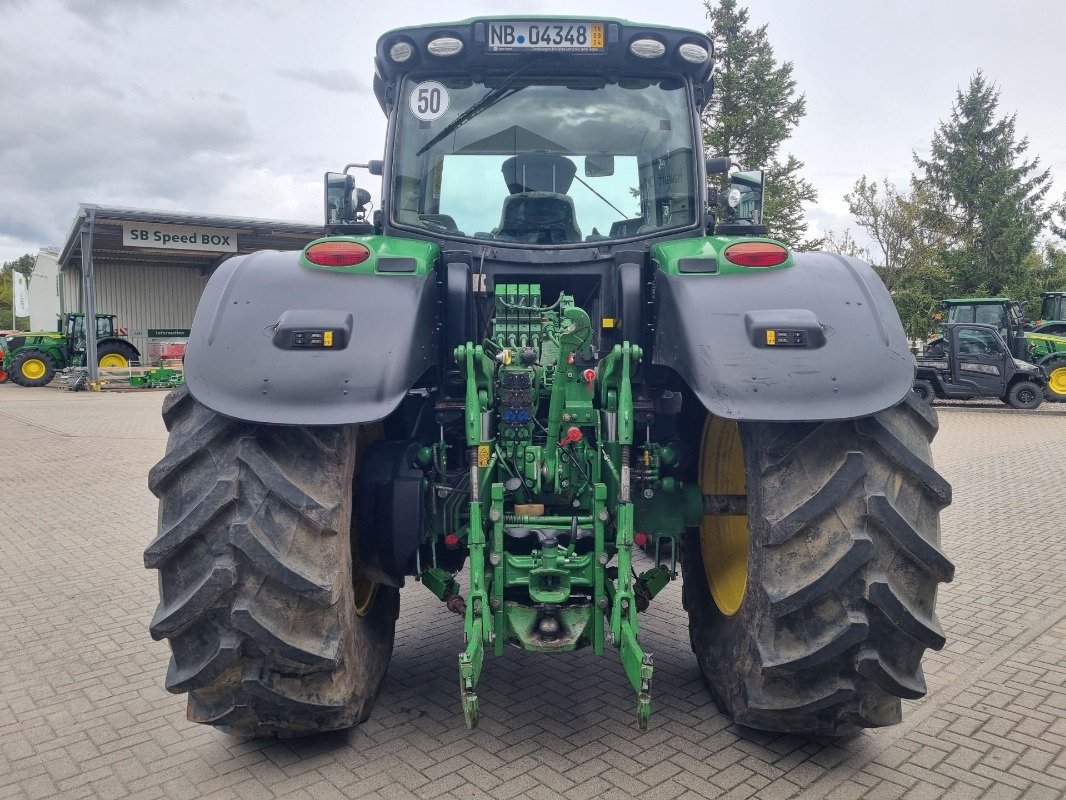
21, 294
178, 237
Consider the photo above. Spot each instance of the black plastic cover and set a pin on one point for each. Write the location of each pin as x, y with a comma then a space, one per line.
235, 366
855, 360
390, 503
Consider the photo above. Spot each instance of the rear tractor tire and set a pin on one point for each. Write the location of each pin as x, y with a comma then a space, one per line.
272, 631
1055, 367
116, 355
1025, 395
32, 368
811, 614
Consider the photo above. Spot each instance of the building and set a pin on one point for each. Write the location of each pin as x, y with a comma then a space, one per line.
149, 268
44, 290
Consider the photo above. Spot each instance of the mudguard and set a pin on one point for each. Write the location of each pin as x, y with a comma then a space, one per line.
252, 353
845, 353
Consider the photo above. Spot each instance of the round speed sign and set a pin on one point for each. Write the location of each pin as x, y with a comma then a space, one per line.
429, 101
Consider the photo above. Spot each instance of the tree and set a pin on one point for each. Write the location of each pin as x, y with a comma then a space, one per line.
23, 264
985, 193
906, 244
752, 112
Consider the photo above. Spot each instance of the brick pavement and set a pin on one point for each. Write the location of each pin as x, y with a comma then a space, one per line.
83, 712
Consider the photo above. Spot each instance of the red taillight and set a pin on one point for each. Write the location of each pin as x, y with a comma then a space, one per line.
337, 254
756, 254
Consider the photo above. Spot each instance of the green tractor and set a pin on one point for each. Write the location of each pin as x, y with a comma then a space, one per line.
32, 359
564, 333
1043, 344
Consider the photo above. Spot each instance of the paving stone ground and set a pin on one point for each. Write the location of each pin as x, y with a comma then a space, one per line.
83, 712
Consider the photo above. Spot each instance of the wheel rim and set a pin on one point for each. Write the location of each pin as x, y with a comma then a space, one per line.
114, 360
724, 538
365, 591
1057, 380
33, 368
1026, 396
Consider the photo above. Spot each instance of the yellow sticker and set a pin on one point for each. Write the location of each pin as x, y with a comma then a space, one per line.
327, 339
482, 455
771, 337
608, 322
596, 37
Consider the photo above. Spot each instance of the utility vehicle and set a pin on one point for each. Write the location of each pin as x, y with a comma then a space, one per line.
976, 362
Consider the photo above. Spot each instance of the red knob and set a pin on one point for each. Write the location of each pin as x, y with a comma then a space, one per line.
641, 540
573, 434
590, 378
451, 541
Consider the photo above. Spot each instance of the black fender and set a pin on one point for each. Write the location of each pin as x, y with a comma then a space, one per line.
854, 360
241, 362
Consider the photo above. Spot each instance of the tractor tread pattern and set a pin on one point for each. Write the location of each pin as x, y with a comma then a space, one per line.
255, 575
845, 563
850, 472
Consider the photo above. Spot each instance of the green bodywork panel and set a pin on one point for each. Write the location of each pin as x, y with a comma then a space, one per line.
424, 254
668, 255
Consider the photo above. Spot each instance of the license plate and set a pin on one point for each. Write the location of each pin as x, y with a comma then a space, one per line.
570, 37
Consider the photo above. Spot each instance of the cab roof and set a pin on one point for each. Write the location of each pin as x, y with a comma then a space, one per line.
476, 58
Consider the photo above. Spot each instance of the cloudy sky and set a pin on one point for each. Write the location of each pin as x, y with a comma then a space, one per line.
239, 107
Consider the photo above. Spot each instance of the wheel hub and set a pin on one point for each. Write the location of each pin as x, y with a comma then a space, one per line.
33, 368
1057, 381
724, 538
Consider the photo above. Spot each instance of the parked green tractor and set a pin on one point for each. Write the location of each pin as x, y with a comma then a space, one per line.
565, 332
1043, 344
32, 359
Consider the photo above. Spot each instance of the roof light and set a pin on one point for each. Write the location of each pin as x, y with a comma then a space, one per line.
401, 51
445, 46
693, 53
756, 254
337, 254
647, 48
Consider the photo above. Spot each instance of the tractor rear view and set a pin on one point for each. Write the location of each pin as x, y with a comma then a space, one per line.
551, 343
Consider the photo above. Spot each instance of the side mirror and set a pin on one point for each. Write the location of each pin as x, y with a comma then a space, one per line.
719, 166
339, 190
600, 165
744, 198
375, 167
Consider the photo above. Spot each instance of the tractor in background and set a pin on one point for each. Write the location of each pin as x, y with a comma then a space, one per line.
33, 359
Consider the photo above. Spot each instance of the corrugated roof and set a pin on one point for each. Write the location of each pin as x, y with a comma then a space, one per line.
261, 234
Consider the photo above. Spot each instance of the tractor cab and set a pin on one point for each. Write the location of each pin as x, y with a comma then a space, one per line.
1005, 315
72, 326
1052, 312
565, 134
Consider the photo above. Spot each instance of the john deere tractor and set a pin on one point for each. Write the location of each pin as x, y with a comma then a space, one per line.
1042, 344
32, 359
563, 333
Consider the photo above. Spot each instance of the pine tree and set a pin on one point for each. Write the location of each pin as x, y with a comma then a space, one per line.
986, 193
752, 112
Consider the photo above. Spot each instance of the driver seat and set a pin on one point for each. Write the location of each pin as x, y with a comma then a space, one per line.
539, 218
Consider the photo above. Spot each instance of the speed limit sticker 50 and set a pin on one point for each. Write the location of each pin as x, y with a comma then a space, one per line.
429, 101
